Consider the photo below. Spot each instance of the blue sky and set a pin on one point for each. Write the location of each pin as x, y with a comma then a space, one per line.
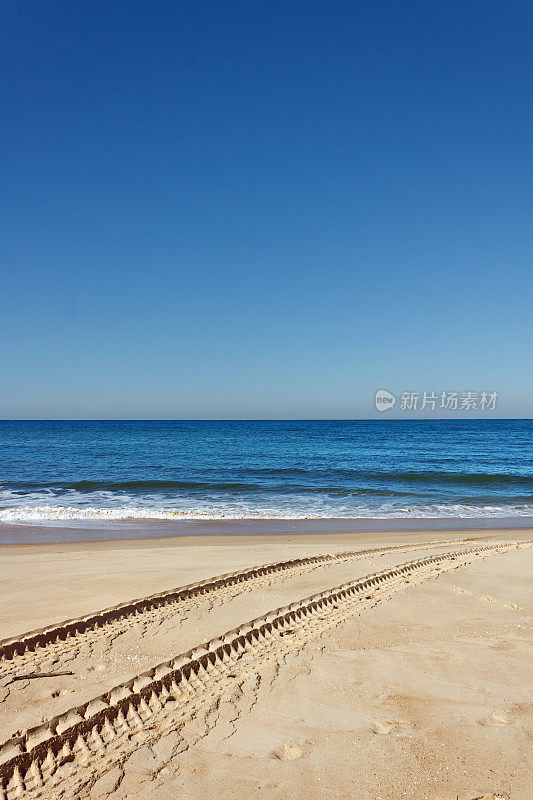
256, 209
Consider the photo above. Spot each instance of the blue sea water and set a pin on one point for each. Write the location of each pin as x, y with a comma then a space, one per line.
54, 471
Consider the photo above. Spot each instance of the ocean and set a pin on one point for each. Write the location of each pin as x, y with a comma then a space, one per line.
59, 472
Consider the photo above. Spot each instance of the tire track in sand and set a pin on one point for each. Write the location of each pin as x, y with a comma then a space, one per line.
62, 641
66, 755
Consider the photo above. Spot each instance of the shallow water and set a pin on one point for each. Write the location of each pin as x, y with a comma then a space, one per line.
65, 471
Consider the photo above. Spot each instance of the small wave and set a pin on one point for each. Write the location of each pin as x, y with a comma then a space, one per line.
46, 514
352, 481
467, 478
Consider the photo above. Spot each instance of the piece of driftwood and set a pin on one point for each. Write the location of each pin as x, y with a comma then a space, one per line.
30, 675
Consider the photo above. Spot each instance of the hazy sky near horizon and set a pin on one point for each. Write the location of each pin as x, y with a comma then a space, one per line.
252, 209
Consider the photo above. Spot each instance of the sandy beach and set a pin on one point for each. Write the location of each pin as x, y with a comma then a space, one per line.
417, 683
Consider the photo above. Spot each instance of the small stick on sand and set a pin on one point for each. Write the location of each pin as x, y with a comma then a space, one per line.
40, 675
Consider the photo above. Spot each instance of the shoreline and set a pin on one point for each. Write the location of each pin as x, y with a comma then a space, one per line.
150, 530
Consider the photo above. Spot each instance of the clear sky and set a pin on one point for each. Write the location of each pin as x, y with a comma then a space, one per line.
263, 209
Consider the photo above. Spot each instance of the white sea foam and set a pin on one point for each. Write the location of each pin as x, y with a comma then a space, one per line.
48, 507
56, 513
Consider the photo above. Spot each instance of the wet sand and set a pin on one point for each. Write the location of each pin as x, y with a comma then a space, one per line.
81, 531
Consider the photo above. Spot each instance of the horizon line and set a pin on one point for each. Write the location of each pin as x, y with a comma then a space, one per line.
266, 419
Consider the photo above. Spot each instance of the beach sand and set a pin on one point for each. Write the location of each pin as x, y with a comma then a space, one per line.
421, 687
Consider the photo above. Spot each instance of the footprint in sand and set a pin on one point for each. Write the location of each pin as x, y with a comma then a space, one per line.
383, 728
491, 797
513, 605
495, 719
489, 599
460, 590
503, 645
288, 752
